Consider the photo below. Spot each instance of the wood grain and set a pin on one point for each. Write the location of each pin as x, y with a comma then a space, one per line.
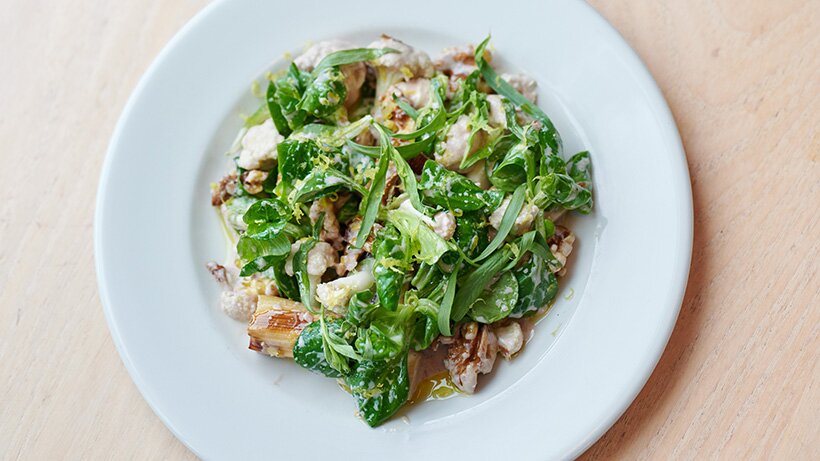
739, 379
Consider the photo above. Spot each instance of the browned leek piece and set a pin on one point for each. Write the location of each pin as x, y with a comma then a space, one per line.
276, 325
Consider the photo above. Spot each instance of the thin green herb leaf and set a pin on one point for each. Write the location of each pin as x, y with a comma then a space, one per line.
340, 58
408, 178
446, 307
474, 283
505, 89
507, 222
406, 107
306, 288
275, 111
260, 115
374, 197
406, 151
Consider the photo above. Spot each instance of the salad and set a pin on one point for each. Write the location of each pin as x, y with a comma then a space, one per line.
391, 217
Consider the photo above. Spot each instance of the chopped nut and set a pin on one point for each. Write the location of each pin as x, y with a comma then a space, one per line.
253, 181
224, 190
472, 352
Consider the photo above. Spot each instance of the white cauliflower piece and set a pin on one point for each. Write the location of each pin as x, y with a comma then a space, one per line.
319, 258
314, 54
335, 294
416, 92
239, 304
392, 68
472, 352
523, 222
259, 147
254, 180
524, 84
498, 118
444, 224
456, 144
330, 226
354, 73
510, 339
457, 60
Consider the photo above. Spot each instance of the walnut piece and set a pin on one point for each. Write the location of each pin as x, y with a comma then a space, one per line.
472, 352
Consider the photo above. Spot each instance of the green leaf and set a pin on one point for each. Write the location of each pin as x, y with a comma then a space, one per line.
322, 182
390, 268
374, 197
424, 244
259, 254
507, 222
505, 89
426, 328
336, 349
497, 301
474, 283
471, 235
340, 58
275, 111
405, 173
383, 339
325, 93
362, 306
437, 120
380, 388
471, 286
512, 170
309, 351
266, 217
537, 285
445, 312
260, 115
453, 191
406, 107
289, 90
407, 151
307, 288
295, 161
285, 283
349, 209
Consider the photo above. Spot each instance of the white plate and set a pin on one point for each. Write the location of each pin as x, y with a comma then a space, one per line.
588, 359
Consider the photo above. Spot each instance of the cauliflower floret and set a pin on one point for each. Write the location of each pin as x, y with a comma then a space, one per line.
444, 224
259, 147
336, 294
354, 73
316, 52
523, 222
455, 144
457, 60
254, 180
239, 304
524, 84
416, 91
392, 68
472, 352
510, 339
319, 258
498, 118
330, 225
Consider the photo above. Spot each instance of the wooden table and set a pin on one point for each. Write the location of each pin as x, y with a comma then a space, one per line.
739, 379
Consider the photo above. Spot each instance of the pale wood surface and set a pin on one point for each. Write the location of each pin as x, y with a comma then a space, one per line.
739, 379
